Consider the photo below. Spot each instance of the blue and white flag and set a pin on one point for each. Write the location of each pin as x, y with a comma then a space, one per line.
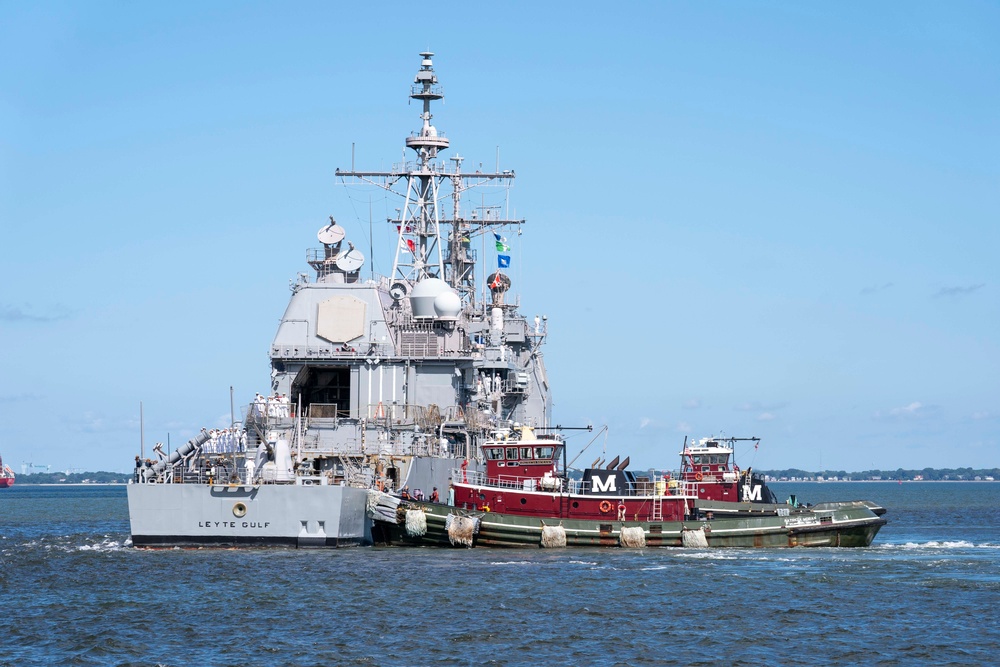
503, 261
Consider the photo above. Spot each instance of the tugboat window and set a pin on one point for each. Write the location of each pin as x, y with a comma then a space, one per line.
512, 453
524, 501
525, 453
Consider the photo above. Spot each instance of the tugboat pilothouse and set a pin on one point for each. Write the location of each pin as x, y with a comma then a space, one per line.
377, 382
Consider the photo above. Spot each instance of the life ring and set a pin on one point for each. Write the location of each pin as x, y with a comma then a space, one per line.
605, 506
698, 477
239, 510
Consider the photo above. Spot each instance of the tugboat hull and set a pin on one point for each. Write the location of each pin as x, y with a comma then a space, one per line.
848, 527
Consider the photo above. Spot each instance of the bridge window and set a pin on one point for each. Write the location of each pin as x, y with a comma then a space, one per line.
494, 453
544, 452
512, 453
525, 453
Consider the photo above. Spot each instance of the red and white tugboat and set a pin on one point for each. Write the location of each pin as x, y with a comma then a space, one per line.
722, 487
6, 475
523, 499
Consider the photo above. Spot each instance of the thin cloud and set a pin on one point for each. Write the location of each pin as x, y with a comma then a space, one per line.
756, 406
984, 414
765, 417
914, 410
874, 289
19, 398
25, 313
683, 427
958, 291
692, 404
97, 423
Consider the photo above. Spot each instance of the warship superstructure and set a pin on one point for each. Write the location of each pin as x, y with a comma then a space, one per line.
377, 382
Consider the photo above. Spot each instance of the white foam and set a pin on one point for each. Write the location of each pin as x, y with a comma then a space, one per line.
706, 555
104, 545
512, 562
957, 544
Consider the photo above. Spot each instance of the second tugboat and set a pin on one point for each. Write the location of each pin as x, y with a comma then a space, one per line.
377, 382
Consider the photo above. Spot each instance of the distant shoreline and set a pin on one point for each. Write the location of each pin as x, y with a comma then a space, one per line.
882, 481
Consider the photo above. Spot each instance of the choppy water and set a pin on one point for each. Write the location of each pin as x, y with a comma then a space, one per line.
928, 592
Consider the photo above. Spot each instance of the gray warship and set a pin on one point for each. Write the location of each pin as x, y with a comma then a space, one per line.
383, 383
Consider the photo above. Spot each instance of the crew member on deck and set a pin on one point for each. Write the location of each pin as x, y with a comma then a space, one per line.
435, 498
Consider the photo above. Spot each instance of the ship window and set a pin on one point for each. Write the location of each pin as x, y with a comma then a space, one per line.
544, 452
512, 453
696, 459
525, 452
494, 453
524, 501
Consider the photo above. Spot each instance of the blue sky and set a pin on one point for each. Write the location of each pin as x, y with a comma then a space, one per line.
771, 219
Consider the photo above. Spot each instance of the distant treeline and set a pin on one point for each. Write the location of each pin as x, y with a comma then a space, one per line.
73, 478
927, 474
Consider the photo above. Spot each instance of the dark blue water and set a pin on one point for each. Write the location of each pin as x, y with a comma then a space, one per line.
927, 593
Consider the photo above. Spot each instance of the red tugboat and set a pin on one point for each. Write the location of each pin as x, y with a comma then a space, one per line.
6, 475
723, 487
710, 467
522, 499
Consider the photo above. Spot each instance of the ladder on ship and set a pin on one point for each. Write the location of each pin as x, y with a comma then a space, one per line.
656, 509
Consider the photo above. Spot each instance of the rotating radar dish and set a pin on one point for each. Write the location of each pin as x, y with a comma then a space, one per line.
349, 261
331, 234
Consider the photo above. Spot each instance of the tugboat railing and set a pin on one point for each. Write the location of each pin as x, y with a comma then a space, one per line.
574, 487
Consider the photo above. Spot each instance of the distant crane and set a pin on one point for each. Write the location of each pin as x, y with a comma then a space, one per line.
30, 468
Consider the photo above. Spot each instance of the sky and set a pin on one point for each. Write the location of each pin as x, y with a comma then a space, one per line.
744, 219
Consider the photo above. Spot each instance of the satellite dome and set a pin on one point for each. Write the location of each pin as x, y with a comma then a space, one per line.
423, 295
447, 305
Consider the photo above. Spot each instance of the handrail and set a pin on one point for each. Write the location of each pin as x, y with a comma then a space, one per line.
575, 487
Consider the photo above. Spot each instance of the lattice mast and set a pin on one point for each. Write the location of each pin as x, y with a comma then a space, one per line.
420, 246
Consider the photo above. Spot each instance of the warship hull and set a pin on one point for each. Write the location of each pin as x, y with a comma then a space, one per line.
846, 527
293, 515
